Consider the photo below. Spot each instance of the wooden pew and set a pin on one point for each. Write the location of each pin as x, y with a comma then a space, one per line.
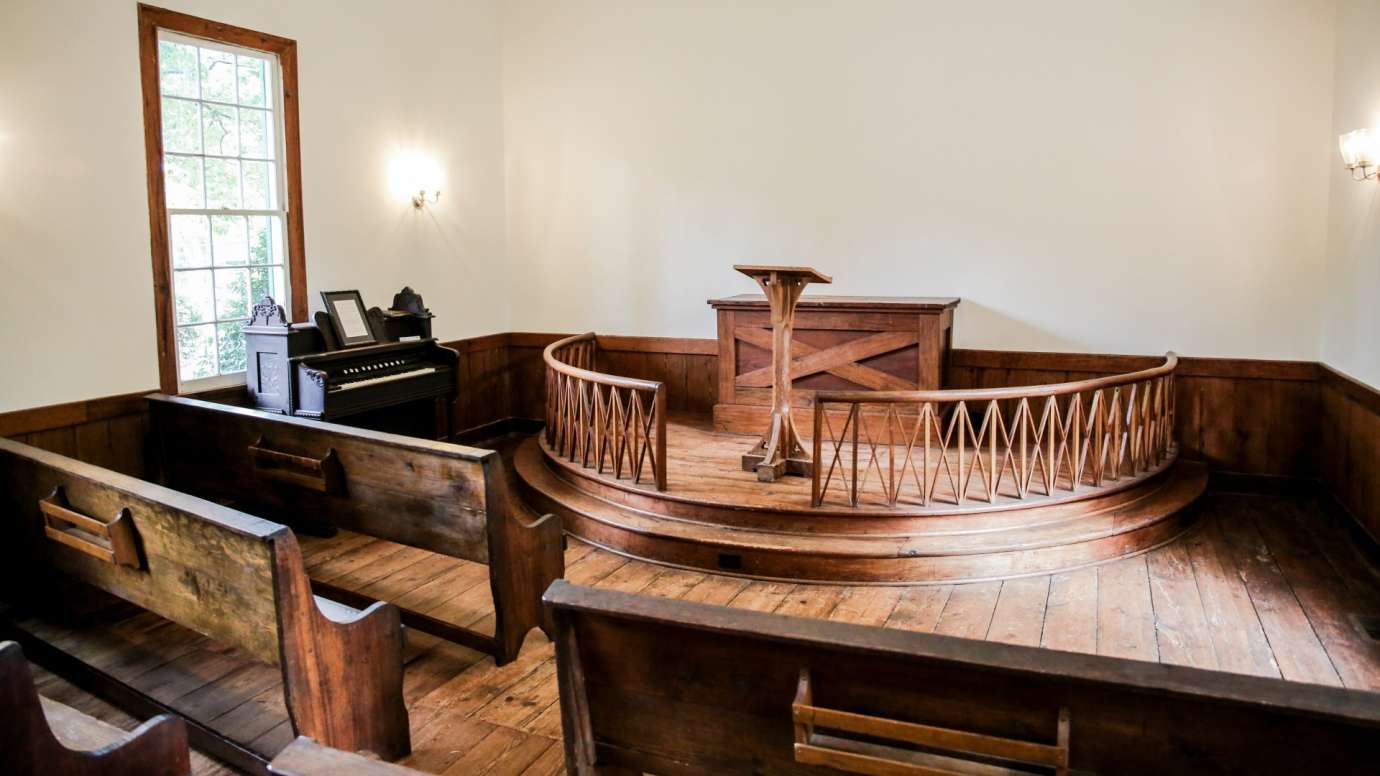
440, 497
234, 578
41, 736
305, 757
673, 687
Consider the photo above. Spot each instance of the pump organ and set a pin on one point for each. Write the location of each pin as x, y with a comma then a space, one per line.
302, 369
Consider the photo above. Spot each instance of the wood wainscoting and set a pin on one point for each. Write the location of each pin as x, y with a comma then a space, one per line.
1242, 416
1349, 449
108, 432
1286, 419
688, 367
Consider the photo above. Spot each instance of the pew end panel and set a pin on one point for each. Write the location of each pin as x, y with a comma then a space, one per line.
675, 687
342, 669
45, 737
236, 579
444, 498
525, 558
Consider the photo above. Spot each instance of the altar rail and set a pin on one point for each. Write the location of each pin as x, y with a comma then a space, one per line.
611, 424
1020, 442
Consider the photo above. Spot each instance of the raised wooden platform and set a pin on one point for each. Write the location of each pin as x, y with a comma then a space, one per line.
715, 517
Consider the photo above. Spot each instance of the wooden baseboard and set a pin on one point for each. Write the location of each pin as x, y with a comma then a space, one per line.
497, 428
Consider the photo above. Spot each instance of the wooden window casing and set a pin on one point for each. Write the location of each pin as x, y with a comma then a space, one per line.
151, 20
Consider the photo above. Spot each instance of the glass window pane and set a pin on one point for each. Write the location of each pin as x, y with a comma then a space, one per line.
256, 136
229, 241
196, 352
191, 241
268, 281
265, 240
232, 293
193, 296
230, 343
182, 178
260, 186
217, 75
222, 183
177, 68
221, 130
253, 81
181, 126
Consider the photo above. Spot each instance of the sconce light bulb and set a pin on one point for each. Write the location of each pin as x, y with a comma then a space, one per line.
1358, 149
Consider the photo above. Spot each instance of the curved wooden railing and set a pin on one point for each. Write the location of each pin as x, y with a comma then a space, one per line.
614, 425
978, 446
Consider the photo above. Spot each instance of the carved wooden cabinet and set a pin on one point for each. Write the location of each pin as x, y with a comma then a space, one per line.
883, 343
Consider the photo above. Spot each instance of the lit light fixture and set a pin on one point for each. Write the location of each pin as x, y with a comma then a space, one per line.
416, 176
1359, 152
421, 199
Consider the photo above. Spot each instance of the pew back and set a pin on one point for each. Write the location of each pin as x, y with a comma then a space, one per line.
411, 491
199, 564
673, 687
441, 497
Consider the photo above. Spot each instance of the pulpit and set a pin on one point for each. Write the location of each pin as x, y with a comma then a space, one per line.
883, 343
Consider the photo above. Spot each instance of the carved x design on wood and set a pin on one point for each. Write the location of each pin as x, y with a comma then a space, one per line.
839, 360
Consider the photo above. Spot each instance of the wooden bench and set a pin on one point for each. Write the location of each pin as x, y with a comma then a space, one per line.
672, 687
231, 577
39, 735
445, 498
305, 757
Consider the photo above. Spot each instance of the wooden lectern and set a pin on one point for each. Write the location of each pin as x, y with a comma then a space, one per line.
780, 452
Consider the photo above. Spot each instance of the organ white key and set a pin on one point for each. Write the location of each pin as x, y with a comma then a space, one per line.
350, 386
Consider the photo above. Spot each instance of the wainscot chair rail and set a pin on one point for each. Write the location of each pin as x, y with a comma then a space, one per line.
978, 446
614, 425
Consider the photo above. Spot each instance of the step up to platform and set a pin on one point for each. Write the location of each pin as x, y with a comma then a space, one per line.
871, 546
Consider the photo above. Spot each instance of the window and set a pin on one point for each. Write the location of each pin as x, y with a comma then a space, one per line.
224, 209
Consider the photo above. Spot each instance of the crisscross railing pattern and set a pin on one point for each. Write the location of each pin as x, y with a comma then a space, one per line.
981, 446
614, 425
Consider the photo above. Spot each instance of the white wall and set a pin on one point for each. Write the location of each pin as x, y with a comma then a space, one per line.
75, 271
1088, 175
1352, 306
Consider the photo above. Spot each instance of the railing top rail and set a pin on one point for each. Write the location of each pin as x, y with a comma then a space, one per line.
1171, 361
552, 361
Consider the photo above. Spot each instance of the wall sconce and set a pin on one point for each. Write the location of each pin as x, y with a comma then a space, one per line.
1359, 152
416, 176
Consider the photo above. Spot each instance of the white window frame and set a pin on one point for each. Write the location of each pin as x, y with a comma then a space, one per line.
275, 86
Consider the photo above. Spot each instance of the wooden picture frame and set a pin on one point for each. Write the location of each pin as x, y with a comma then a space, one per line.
349, 318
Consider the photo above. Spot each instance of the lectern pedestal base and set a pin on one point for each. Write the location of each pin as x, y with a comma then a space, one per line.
779, 453
771, 472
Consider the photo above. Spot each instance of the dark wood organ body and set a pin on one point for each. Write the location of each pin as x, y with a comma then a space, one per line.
301, 368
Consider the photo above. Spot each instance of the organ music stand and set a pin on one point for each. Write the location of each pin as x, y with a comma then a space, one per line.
779, 451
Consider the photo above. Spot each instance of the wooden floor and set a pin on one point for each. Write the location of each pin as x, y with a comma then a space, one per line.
1262, 585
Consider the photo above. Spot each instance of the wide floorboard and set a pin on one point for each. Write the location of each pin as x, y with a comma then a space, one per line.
1267, 585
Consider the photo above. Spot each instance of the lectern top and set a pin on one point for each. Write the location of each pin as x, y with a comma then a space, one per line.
808, 274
